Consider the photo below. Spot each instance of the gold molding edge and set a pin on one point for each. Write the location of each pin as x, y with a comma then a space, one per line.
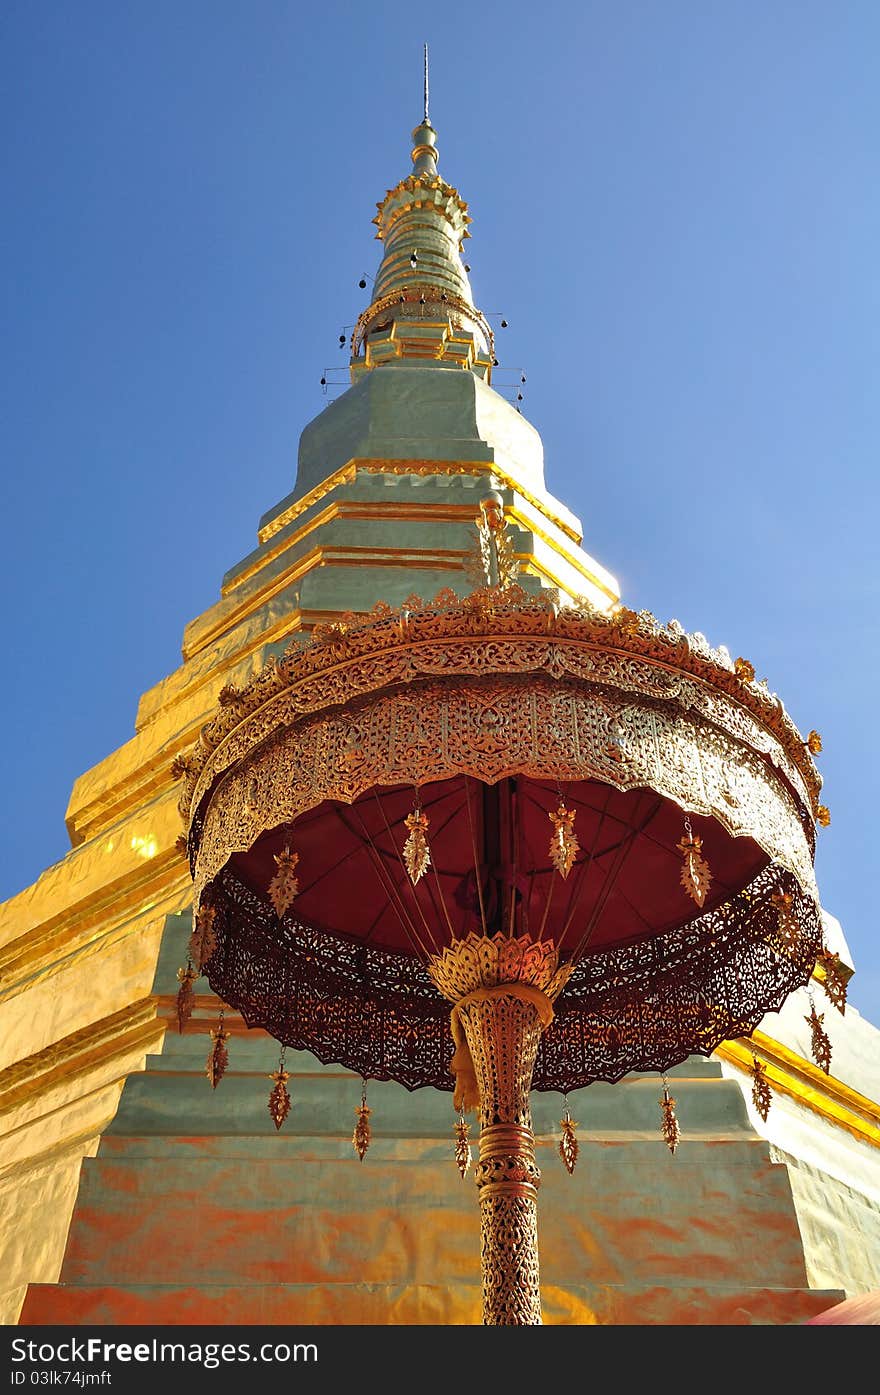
40, 954
316, 557
101, 813
373, 465
73, 1149
792, 1075
362, 511
73, 1056
93, 818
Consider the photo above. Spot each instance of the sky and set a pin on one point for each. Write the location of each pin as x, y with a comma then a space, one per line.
676, 209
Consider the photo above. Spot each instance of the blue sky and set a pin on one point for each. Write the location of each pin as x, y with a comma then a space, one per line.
675, 206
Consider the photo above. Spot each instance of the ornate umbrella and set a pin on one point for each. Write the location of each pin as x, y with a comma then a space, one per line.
591, 835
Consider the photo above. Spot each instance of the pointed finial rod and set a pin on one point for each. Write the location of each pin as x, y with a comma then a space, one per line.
427, 120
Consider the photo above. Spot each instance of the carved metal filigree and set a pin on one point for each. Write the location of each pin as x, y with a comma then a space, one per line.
523, 634
788, 929
203, 940
379, 1014
820, 1042
492, 562
485, 961
503, 1035
538, 728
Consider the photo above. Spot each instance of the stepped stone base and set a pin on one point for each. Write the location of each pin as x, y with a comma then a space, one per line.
196, 1211
381, 1305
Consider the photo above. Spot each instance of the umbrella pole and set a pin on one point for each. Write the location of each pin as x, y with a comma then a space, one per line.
503, 1033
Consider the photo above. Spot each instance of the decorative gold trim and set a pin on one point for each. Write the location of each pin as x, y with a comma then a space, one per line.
229, 620
452, 304
631, 704
132, 1027
792, 1075
503, 1032
479, 962
417, 186
500, 635
93, 924
344, 475
128, 797
72, 1147
490, 730
377, 465
359, 510
819, 974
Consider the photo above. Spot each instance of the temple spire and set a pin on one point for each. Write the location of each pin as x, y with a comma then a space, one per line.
422, 305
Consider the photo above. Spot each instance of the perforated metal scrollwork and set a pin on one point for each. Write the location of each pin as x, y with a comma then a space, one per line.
503, 1034
644, 1006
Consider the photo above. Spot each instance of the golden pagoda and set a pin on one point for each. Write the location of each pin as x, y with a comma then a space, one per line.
162, 1164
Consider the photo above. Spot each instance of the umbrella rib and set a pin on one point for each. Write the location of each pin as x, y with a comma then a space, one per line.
329, 871
386, 880
479, 880
577, 890
412, 889
611, 877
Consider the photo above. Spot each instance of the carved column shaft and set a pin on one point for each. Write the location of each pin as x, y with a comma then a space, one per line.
503, 1034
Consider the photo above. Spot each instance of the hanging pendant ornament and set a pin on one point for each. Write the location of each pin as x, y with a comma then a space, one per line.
695, 875
279, 1097
218, 1060
203, 940
362, 1131
820, 1043
564, 845
744, 670
463, 1155
568, 1146
787, 927
185, 994
284, 885
416, 853
670, 1127
834, 978
762, 1095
